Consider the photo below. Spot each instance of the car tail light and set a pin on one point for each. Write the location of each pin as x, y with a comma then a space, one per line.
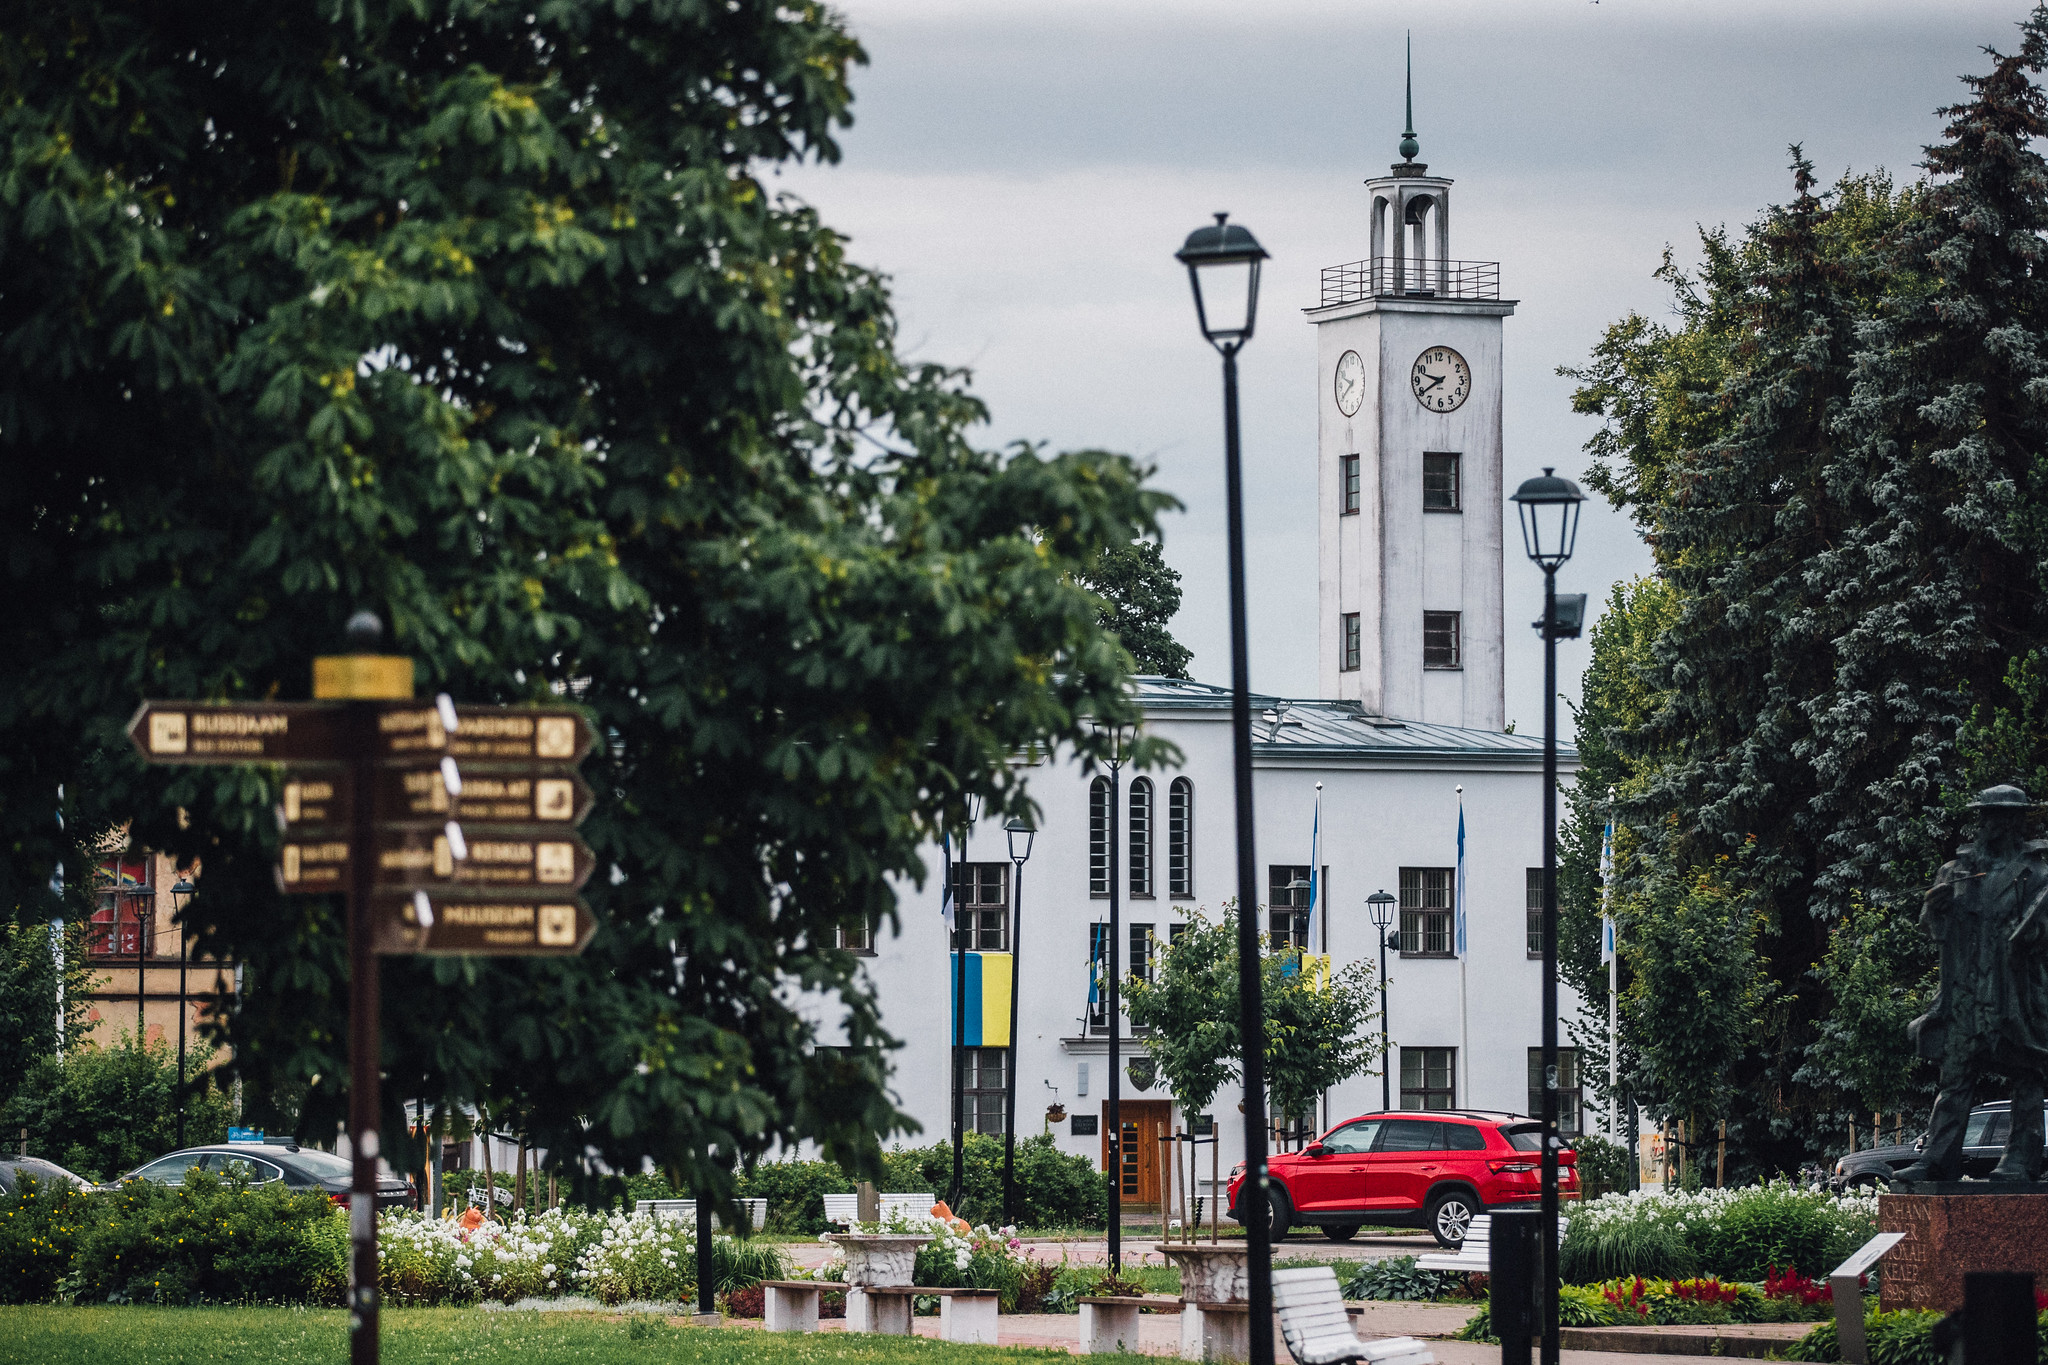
1508, 1167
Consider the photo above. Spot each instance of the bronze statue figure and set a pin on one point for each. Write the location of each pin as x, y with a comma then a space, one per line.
1990, 1014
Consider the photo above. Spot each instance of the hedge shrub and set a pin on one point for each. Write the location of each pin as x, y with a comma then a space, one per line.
207, 1241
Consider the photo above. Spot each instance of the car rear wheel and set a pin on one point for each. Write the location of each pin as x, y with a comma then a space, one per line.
1340, 1232
1450, 1213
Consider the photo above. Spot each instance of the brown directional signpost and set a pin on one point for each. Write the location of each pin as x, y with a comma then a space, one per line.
451, 829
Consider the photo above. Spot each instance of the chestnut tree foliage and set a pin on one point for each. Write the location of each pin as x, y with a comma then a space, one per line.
1839, 456
486, 317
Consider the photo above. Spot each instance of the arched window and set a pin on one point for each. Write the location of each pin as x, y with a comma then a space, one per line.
1098, 837
1180, 839
1141, 837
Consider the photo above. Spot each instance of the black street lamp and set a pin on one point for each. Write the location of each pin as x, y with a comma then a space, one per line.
1112, 1006
1021, 835
181, 896
1549, 508
962, 939
1381, 906
1223, 264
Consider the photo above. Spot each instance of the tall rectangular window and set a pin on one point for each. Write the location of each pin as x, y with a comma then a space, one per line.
1533, 898
982, 1089
1426, 911
1570, 1093
1440, 639
1429, 1077
1351, 641
1098, 837
981, 907
1141, 838
124, 922
1348, 473
1138, 957
1180, 839
1287, 902
858, 938
1440, 482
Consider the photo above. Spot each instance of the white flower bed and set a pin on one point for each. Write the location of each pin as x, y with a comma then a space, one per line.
614, 1258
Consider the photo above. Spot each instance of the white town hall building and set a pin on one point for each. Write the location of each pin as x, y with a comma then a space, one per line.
1408, 471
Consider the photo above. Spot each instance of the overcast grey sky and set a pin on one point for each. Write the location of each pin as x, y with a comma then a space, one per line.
1024, 172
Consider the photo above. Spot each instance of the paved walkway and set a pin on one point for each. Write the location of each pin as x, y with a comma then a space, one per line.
1159, 1333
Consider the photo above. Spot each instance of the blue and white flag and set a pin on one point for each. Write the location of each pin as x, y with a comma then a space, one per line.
946, 880
1607, 892
1458, 896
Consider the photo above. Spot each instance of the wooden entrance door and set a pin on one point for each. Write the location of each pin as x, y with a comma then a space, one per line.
1145, 1123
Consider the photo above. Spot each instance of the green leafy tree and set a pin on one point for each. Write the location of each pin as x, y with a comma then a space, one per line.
1140, 595
1834, 456
44, 982
101, 1111
1315, 1025
486, 317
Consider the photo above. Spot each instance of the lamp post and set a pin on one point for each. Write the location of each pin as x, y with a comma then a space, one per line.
961, 939
1020, 835
1112, 1009
1549, 509
181, 896
1223, 264
1381, 907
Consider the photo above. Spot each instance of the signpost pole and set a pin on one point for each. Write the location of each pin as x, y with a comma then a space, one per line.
363, 1048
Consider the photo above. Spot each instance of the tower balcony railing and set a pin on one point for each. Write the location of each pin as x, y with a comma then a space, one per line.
1384, 277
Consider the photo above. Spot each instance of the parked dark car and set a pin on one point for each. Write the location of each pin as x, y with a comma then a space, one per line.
1433, 1168
1983, 1144
300, 1168
44, 1172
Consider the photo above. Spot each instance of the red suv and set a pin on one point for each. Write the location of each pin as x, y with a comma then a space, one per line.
1432, 1169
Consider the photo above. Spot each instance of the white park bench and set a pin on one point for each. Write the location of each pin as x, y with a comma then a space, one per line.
686, 1210
1475, 1253
1317, 1328
844, 1209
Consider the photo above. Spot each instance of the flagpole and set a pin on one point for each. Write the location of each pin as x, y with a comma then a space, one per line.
1464, 1079
1613, 977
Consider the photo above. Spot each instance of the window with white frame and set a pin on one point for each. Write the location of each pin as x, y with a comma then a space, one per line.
1141, 838
1180, 839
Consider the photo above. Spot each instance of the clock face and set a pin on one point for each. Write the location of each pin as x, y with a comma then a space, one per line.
1441, 379
1350, 383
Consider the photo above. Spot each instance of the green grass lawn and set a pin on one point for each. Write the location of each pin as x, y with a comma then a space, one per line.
439, 1336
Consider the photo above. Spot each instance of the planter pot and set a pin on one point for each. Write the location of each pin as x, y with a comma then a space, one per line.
1210, 1274
880, 1259
1057, 1113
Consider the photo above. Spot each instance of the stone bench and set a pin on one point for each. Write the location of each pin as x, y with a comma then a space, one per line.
1215, 1331
965, 1315
1109, 1323
792, 1305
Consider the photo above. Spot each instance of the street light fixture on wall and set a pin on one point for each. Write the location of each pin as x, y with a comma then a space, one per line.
1381, 907
1549, 510
181, 896
1021, 836
1223, 264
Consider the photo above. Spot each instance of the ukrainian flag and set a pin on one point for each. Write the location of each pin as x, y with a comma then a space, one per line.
985, 1022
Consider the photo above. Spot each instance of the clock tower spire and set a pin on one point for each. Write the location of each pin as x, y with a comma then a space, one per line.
1409, 462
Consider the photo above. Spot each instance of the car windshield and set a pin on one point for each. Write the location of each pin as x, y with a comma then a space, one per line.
321, 1165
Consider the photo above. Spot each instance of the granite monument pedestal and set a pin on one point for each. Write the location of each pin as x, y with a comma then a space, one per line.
1950, 1232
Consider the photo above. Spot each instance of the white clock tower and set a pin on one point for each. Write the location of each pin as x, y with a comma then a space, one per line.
1409, 464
